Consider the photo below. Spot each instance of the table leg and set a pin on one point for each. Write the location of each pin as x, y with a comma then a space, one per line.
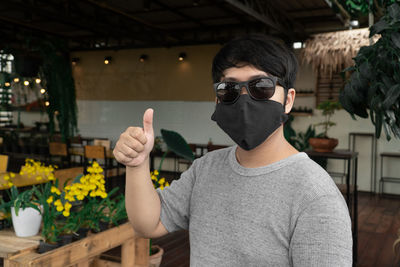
348, 184
355, 218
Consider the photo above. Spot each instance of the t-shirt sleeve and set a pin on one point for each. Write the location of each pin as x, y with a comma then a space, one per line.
175, 201
322, 235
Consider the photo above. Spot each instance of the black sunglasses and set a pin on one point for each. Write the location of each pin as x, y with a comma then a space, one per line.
260, 89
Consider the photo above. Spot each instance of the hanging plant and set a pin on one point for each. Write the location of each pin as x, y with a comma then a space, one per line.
57, 73
374, 84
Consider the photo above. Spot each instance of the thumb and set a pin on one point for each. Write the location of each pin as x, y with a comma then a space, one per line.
148, 121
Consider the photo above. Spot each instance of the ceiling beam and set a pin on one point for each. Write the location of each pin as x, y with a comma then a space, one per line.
179, 13
253, 9
133, 18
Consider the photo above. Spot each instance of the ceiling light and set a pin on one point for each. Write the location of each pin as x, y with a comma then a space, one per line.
74, 61
16, 80
143, 58
297, 45
354, 23
107, 60
182, 56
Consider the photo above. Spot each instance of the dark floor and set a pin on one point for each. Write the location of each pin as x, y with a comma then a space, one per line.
379, 221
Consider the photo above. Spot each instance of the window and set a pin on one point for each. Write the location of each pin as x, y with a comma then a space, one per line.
6, 67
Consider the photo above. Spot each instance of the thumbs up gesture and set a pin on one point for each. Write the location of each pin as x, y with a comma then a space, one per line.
135, 144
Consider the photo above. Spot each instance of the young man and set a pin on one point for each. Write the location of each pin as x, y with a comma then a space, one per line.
259, 203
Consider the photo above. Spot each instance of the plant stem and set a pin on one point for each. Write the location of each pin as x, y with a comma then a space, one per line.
162, 160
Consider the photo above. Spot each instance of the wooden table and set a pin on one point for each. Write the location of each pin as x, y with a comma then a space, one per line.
21, 180
79, 151
21, 252
349, 156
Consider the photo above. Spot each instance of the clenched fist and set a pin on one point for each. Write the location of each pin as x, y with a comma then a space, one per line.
135, 144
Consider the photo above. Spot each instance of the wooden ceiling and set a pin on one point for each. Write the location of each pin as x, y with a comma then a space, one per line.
117, 24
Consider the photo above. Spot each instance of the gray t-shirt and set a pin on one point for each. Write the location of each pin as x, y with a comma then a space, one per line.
289, 213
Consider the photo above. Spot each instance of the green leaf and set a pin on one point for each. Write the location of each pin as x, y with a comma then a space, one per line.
394, 11
391, 96
396, 39
378, 27
177, 144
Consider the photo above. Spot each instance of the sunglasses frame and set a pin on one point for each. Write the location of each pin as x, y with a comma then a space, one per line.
239, 85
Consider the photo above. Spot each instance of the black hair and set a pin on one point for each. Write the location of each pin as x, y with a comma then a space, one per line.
260, 51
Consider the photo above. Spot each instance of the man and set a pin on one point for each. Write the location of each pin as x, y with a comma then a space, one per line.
260, 203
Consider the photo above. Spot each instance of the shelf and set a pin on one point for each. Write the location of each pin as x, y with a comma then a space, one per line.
301, 114
305, 94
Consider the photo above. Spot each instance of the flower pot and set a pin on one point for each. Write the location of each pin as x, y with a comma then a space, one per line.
65, 239
156, 257
323, 144
27, 223
44, 246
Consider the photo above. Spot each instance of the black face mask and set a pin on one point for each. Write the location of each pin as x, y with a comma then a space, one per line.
249, 122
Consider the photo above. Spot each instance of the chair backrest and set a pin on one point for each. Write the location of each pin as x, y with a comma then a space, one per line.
95, 152
69, 174
102, 142
58, 149
3, 163
212, 147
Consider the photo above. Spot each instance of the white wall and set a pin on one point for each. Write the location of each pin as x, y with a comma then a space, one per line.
192, 119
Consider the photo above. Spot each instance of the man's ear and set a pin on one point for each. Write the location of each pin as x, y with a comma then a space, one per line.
291, 95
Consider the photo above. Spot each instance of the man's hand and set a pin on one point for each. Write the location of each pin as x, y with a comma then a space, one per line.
135, 144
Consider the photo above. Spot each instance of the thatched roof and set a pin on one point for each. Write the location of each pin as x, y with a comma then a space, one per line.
333, 51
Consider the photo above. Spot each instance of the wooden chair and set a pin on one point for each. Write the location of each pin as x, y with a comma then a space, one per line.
3, 163
59, 150
97, 153
102, 142
66, 176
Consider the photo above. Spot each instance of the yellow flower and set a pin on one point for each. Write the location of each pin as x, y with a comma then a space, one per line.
80, 197
66, 213
161, 181
55, 190
103, 195
58, 202
156, 172
50, 199
161, 187
6, 177
39, 178
67, 206
166, 184
60, 208
10, 184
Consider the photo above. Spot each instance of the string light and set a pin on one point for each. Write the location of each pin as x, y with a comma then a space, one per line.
7, 84
16, 80
47, 103
42, 91
26, 83
38, 80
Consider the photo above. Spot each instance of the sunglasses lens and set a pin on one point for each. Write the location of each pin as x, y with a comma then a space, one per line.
262, 89
226, 92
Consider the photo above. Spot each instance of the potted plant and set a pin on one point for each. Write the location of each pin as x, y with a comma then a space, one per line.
156, 252
25, 209
324, 143
374, 83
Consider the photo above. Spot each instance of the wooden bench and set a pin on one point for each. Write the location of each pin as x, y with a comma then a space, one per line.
21, 252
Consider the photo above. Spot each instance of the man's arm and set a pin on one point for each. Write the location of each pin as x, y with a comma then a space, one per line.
322, 235
142, 201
